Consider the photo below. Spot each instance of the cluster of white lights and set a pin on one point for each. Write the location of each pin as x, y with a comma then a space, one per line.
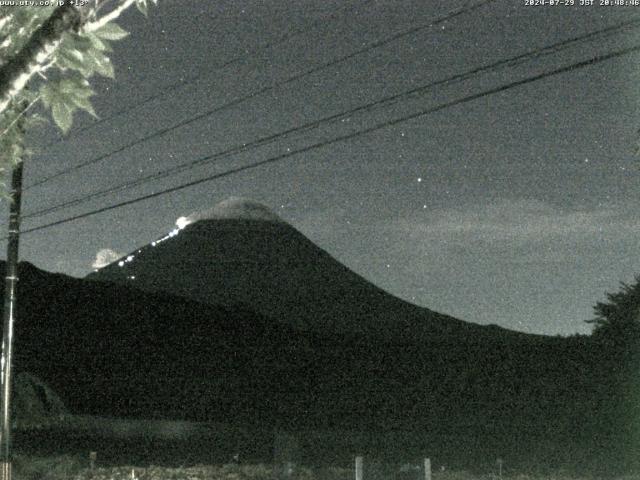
172, 233
130, 258
180, 223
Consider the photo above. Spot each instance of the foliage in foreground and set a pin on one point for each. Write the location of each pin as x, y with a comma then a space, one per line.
618, 319
48, 54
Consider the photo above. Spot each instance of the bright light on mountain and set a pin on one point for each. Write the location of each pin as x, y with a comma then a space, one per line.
182, 222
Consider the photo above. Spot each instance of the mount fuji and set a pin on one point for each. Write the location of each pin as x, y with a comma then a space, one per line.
241, 253
236, 316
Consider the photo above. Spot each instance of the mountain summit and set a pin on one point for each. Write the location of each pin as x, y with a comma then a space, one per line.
235, 208
241, 253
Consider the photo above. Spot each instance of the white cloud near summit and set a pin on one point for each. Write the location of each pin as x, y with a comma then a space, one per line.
104, 257
234, 208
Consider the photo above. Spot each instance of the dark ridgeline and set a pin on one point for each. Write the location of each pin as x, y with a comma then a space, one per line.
246, 321
273, 269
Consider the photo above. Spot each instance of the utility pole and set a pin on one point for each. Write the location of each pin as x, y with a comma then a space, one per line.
9, 313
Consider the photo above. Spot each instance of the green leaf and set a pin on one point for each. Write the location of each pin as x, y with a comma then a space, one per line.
62, 115
73, 86
142, 6
74, 54
83, 92
101, 63
49, 94
85, 105
106, 69
111, 31
66, 59
77, 42
16, 152
35, 120
99, 44
64, 96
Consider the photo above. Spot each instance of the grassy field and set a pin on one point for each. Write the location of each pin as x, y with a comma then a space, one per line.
72, 468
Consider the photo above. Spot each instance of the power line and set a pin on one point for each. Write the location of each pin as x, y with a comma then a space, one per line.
239, 100
315, 146
510, 62
190, 81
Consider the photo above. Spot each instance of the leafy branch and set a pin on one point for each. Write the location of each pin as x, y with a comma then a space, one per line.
75, 42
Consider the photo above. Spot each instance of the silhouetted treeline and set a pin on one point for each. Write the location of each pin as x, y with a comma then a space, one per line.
616, 369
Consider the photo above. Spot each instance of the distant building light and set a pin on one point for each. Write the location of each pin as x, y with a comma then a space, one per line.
121, 263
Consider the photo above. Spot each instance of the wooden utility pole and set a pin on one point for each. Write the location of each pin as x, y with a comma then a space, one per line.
9, 313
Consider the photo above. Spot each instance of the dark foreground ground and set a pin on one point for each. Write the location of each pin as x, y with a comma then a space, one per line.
70, 468
162, 449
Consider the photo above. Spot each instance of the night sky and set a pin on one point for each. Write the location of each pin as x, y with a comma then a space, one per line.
518, 208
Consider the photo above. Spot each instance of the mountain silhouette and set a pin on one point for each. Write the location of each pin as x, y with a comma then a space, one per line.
241, 253
115, 350
236, 317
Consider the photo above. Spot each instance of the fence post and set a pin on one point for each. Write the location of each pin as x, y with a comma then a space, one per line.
359, 469
427, 469
285, 453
